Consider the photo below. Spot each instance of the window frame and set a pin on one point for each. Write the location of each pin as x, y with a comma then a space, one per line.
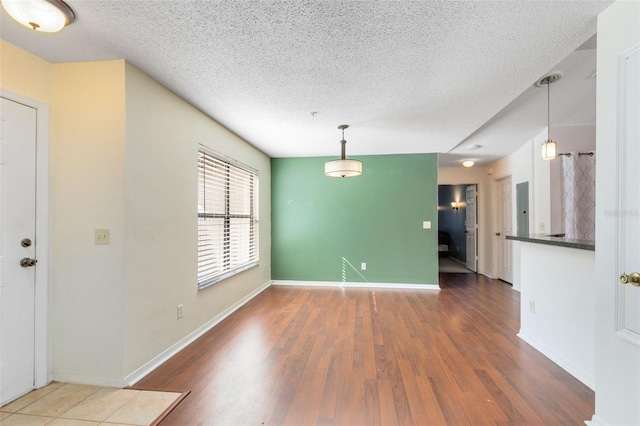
229, 164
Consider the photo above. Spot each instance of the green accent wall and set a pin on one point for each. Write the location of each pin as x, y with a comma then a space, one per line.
323, 228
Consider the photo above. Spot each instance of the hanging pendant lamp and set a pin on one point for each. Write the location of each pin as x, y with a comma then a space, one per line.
549, 147
343, 168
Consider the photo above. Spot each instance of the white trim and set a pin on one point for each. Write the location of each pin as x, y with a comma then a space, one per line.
595, 421
579, 373
622, 331
89, 380
42, 347
356, 285
154, 363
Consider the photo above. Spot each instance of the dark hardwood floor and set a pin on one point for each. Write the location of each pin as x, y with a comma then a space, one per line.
328, 356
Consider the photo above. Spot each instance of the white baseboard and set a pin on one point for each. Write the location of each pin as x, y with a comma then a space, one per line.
578, 372
357, 285
595, 421
154, 363
147, 368
107, 382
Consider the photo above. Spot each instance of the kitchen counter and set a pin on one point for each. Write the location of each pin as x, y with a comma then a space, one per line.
557, 241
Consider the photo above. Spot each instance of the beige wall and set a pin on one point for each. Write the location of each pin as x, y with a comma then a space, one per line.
87, 160
123, 157
25, 74
163, 133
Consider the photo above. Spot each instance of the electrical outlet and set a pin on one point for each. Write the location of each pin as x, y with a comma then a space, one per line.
180, 313
102, 236
363, 266
532, 306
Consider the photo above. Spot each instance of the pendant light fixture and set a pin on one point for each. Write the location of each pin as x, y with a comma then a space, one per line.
549, 147
45, 16
343, 168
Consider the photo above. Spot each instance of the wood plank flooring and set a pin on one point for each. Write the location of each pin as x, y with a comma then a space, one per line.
327, 356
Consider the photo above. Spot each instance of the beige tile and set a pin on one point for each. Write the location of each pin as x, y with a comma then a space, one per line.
144, 408
3, 415
100, 405
60, 400
23, 420
72, 422
20, 403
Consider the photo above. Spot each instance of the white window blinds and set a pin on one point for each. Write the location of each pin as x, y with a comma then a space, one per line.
227, 218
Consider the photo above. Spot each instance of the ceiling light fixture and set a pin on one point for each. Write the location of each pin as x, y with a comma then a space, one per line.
468, 163
549, 147
343, 167
45, 16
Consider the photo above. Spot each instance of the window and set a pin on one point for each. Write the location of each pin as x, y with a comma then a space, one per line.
227, 217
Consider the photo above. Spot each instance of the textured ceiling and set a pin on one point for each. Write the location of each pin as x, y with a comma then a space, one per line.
408, 76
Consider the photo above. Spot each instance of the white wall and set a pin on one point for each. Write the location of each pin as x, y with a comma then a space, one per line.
617, 360
560, 282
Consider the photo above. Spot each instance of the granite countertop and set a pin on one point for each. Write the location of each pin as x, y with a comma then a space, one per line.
555, 240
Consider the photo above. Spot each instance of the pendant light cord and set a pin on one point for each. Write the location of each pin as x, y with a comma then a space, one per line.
548, 109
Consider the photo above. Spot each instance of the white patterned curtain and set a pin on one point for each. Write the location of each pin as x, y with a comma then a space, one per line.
579, 196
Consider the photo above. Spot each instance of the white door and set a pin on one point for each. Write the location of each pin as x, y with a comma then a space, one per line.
17, 242
617, 319
629, 226
505, 256
471, 228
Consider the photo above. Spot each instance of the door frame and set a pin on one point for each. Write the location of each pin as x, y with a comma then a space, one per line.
495, 187
41, 320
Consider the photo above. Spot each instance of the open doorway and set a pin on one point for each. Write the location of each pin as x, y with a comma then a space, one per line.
457, 228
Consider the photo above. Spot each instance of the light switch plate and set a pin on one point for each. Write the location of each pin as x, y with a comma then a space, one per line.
426, 224
102, 237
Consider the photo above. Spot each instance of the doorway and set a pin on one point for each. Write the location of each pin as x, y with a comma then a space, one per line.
457, 228
24, 222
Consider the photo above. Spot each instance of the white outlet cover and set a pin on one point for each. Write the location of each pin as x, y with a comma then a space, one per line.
426, 224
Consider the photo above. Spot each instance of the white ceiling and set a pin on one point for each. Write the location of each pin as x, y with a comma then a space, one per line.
407, 76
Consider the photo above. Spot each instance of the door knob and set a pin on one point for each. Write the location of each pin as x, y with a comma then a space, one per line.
26, 262
633, 279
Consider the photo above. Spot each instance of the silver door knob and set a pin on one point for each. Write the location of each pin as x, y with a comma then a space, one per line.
26, 262
633, 279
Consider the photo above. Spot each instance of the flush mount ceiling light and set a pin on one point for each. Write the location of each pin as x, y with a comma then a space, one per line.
45, 16
343, 168
468, 163
549, 147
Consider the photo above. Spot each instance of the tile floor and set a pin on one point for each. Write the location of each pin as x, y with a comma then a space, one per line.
63, 404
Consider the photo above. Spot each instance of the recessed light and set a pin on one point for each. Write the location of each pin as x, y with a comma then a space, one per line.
468, 163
